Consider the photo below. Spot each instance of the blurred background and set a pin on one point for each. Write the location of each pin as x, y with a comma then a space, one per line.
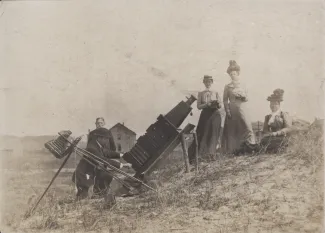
64, 63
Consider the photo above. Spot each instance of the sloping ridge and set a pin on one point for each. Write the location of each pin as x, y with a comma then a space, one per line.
262, 193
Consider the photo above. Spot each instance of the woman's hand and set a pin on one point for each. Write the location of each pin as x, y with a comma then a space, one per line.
215, 104
228, 114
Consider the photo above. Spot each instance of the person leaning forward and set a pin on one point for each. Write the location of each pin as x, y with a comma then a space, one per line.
101, 144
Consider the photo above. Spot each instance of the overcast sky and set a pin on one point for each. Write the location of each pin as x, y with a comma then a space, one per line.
63, 63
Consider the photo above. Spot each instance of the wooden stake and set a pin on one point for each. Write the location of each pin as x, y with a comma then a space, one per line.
185, 154
196, 153
56, 174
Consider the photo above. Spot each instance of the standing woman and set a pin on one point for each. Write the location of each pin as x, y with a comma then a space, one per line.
238, 131
209, 125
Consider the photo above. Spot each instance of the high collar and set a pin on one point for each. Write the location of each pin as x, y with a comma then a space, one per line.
276, 112
235, 83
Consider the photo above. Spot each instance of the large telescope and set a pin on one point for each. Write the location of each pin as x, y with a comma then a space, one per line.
160, 139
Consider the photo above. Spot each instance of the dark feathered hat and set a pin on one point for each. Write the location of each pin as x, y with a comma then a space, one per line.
277, 95
233, 66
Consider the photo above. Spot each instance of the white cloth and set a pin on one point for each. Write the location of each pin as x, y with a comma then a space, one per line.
207, 96
273, 115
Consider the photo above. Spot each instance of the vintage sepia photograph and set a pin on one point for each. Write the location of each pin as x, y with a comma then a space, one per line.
139, 116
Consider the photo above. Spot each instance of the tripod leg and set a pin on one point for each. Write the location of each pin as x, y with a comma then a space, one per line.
57, 173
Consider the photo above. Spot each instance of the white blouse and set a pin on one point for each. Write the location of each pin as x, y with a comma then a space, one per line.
205, 97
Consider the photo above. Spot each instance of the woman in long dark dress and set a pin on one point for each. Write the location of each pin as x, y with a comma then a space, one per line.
209, 125
238, 131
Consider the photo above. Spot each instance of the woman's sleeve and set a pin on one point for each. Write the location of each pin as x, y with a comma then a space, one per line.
266, 124
287, 122
245, 99
200, 105
218, 97
218, 100
225, 99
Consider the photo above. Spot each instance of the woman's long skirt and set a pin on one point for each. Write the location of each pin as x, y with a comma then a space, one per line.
272, 144
237, 129
208, 133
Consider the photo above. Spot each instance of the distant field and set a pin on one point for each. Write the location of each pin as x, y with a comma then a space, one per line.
37, 160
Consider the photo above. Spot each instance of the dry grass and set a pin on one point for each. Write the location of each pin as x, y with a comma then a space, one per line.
264, 193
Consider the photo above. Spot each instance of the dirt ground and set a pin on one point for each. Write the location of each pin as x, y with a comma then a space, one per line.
263, 193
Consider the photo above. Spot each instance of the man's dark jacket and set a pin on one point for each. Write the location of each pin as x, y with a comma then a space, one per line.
101, 144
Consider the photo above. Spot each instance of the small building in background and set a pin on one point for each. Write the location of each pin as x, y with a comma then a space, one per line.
124, 137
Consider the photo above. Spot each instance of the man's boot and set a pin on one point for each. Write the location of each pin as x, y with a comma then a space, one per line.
110, 200
82, 193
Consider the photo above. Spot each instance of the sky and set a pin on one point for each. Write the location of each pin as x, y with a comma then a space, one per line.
66, 62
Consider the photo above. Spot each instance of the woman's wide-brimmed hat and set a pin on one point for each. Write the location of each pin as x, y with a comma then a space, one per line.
233, 66
207, 77
277, 95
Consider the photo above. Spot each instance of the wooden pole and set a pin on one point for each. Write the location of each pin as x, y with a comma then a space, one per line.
57, 173
258, 131
196, 153
185, 154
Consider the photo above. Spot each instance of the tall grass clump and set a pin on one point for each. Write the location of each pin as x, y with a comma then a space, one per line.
308, 145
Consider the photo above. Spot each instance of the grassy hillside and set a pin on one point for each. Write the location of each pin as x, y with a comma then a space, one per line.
262, 193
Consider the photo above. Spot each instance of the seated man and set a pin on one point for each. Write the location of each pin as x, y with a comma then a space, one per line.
101, 144
277, 125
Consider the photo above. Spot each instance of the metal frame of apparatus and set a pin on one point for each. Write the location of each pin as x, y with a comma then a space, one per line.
100, 163
160, 140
